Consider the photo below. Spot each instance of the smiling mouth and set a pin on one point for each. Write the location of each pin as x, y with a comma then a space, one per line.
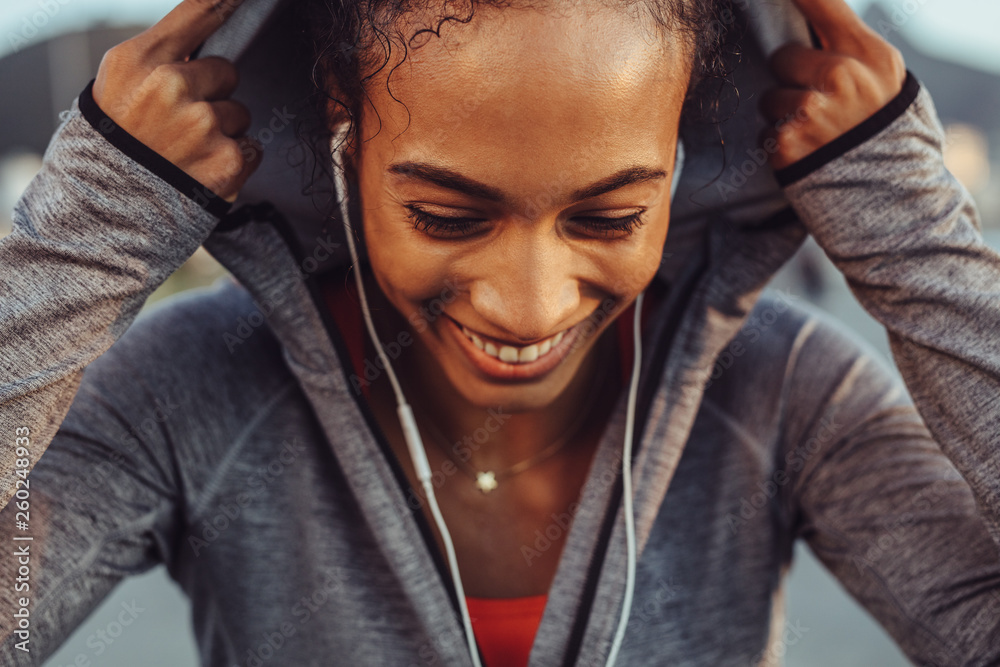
513, 354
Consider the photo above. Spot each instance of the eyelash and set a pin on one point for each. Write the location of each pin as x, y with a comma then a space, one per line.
424, 221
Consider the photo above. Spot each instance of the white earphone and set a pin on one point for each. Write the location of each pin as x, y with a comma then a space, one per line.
415, 444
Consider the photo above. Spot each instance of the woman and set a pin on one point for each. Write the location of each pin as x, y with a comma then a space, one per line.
511, 177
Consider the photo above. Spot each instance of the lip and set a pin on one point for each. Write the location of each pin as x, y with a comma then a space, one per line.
501, 370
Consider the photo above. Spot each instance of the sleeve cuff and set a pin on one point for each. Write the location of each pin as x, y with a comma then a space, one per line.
853, 137
148, 158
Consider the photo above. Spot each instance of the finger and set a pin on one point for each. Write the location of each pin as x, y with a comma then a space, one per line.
234, 117
783, 105
770, 140
835, 23
185, 27
210, 78
253, 155
797, 65
767, 135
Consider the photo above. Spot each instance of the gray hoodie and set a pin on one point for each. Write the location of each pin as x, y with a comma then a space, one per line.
220, 432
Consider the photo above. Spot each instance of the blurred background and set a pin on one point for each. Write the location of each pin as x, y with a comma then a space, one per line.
50, 49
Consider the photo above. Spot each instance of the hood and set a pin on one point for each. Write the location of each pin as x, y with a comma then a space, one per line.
725, 175
727, 192
731, 230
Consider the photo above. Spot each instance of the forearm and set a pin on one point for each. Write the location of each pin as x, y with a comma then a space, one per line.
906, 236
94, 235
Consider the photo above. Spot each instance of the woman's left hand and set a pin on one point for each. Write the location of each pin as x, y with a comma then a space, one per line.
824, 93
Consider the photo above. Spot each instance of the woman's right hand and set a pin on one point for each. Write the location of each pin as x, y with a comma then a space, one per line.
180, 107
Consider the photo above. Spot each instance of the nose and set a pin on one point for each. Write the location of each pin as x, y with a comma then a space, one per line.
527, 289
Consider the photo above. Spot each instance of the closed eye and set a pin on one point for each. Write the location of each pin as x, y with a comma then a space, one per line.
459, 227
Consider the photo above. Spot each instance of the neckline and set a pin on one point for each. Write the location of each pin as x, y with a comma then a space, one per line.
575, 578
523, 597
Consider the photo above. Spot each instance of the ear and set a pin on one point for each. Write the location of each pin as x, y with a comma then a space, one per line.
343, 144
338, 119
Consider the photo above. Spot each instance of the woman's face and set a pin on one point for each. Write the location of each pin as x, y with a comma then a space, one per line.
522, 193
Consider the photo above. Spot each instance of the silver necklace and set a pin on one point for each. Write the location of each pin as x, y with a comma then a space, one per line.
487, 480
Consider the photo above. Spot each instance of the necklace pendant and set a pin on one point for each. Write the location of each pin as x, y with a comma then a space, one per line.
486, 481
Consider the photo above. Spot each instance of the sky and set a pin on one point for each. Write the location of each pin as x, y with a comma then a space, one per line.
960, 30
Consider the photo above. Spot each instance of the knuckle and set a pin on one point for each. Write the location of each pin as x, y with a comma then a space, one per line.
170, 79
226, 67
203, 117
897, 63
253, 151
839, 75
115, 58
239, 112
222, 71
785, 135
230, 156
811, 100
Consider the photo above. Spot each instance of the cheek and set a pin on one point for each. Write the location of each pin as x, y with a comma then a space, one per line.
629, 272
409, 277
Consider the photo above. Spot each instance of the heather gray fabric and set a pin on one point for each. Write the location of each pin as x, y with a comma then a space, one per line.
231, 447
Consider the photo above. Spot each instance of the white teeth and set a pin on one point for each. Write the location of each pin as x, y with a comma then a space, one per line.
529, 353
511, 354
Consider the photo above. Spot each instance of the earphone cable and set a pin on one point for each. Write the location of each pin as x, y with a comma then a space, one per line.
419, 456
407, 421
627, 483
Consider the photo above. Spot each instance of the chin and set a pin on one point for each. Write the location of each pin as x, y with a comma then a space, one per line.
515, 397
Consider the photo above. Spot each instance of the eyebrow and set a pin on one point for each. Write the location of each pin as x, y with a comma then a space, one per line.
452, 180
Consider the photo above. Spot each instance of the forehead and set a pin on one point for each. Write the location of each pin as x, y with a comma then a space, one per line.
520, 84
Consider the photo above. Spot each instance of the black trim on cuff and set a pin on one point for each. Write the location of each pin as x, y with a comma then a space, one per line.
853, 137
147, 157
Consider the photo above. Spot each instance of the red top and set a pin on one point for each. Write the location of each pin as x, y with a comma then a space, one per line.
505, 628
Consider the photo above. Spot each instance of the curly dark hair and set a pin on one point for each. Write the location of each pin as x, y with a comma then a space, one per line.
349, 42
